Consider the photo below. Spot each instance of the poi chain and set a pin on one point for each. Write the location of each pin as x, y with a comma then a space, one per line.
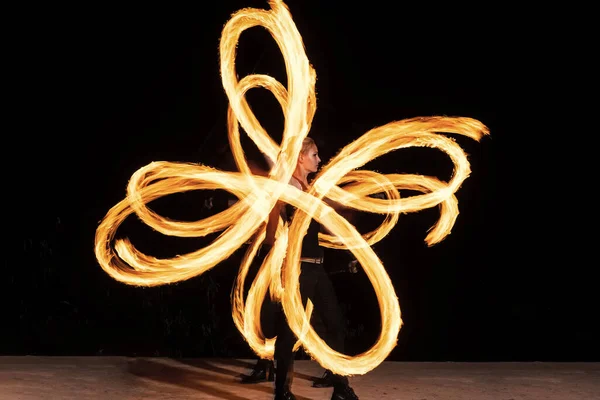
339, 180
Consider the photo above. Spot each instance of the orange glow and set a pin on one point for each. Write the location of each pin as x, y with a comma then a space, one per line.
339, 180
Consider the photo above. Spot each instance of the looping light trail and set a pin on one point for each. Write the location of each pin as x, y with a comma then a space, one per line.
340, 181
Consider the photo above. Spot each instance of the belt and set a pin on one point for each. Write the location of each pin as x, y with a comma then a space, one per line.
312, 260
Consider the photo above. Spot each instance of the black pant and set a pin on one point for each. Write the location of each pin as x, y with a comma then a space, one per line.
316, 286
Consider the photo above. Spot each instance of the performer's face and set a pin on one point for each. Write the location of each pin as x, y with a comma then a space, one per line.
310, 160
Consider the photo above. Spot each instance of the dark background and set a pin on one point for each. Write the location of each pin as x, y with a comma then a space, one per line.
101, 92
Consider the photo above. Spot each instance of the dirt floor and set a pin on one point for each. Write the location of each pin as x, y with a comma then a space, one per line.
123, 378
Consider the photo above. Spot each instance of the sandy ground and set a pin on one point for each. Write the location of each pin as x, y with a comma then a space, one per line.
123, 378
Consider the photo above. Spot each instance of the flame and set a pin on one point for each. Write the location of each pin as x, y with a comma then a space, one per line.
340, 181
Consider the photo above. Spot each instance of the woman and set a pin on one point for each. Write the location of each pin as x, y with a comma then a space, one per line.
314, 284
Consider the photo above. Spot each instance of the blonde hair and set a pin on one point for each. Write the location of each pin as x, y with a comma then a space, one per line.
307, 143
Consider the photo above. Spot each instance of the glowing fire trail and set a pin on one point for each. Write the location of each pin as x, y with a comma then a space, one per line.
340, 181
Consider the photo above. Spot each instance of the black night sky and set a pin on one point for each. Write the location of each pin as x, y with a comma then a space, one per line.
105, 91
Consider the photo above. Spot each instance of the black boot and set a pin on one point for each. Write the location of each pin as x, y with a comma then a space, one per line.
325, 381
263, 371
285, 395
342, 389
343, 393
